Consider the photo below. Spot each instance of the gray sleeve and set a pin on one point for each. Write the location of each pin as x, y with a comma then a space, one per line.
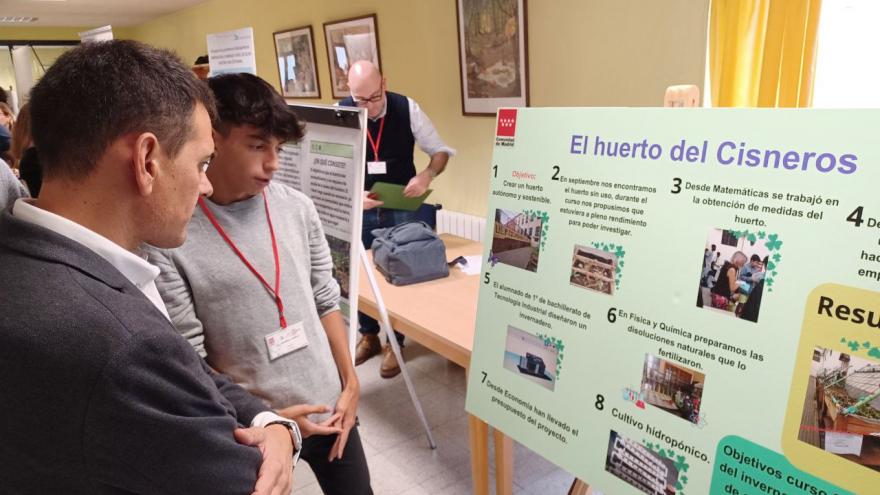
178, 298
324, 286
10, 187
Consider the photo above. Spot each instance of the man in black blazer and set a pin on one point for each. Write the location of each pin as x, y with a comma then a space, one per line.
100, 394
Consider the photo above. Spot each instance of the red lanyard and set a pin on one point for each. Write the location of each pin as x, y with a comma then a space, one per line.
375, 144
276, 291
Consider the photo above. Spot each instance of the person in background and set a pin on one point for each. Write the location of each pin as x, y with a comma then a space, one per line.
707, 264
726, 287
26, 161
252, 288
754, 267
100, 393
201, 68
10, 187
396, 124
7, 119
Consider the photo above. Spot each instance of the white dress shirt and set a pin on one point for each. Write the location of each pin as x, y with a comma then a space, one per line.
136, 269
427, 138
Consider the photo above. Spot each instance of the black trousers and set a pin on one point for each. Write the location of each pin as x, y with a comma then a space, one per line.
346, 476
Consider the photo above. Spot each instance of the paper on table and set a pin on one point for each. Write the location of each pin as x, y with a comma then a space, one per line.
843, 443
473, 266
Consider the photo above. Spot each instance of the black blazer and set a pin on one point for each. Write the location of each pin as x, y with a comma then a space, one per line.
99, 393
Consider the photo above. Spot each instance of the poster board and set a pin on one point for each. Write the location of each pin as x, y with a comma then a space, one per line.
605, 338
232, 52
328, 167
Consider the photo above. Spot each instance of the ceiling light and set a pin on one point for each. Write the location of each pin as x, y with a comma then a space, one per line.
17, 19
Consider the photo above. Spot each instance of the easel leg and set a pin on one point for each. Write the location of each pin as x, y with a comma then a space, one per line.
503, 463
478, 432
395, 347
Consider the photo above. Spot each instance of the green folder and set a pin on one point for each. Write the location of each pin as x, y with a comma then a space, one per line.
392, 197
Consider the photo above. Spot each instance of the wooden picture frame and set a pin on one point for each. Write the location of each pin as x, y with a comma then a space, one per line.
350, 40
297, 65
492, 55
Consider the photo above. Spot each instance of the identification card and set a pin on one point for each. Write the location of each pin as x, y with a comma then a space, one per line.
289, 339
377, 168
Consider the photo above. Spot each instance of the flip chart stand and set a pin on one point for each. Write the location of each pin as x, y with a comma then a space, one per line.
385, 323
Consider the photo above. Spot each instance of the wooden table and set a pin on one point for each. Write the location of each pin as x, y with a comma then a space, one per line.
441, 315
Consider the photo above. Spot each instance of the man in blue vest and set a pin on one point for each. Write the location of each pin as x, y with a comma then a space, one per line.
396, 124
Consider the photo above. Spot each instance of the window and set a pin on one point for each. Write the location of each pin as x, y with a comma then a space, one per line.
847, 75
23, 63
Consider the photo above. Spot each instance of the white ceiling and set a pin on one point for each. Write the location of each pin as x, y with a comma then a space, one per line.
90, 13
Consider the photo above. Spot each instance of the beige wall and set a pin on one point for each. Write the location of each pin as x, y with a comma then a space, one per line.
40, 33
581, 53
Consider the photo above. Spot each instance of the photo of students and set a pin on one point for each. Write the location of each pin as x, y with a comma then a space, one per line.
733, 284
673, 388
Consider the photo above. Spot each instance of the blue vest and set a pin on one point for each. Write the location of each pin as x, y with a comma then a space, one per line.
396, 146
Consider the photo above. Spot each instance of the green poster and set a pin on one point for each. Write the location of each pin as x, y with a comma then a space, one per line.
685, 301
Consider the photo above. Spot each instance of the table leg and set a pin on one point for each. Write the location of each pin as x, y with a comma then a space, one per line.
578, 487
503, 463
478, 431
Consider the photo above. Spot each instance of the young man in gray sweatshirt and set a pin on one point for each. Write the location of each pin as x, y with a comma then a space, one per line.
252, 288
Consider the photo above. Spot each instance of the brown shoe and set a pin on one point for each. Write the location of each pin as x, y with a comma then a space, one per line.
367, 347
389, 368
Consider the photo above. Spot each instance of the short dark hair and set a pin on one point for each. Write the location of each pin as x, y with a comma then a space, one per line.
98, 92
4, 98
755, 257
245, 99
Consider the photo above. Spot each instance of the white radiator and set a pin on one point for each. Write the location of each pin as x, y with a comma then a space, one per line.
461, 224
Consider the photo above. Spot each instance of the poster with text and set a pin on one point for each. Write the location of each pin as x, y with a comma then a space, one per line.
686, 301
327, 166
232, 52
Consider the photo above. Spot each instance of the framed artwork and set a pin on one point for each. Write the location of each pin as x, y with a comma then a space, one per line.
297, 68
492, 55
349, 41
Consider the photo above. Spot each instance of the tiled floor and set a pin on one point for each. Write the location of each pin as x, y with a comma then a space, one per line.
401, 463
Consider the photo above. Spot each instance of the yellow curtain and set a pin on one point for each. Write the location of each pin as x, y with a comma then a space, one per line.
762, 53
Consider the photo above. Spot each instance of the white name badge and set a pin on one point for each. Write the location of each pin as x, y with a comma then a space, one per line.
377, 168
287, 340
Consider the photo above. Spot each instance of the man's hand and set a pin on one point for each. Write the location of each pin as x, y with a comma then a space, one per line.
300, 413
418, 185
371, 202
346, 409
276, 445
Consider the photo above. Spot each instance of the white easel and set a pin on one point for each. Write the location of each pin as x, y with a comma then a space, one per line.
385, 323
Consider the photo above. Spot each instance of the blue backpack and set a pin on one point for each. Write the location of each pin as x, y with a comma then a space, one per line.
409, 253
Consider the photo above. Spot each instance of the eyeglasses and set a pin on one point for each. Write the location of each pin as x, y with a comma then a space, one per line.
376, 97
203, 166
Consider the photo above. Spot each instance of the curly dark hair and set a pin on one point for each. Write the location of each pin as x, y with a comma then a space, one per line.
98, 92
245, 99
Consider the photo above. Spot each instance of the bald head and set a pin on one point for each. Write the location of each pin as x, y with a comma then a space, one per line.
367, 87
363, 72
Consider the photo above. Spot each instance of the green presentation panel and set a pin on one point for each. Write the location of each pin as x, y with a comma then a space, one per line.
685, 300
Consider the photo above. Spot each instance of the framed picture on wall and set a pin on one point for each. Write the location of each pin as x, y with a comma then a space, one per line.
297, 69
492, 55
349, 41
